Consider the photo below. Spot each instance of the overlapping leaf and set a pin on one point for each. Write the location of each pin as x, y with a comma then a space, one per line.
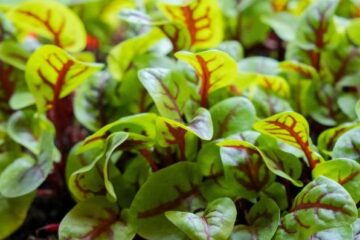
216, 222
52, 74
348, 145
293, 129
95, 218
181, 183
344, 171
245, 168
201, 17
263, 220
215, 69
52, 20
321, 205
168, 90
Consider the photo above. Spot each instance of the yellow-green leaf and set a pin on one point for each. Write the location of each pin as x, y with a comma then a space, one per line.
51, 74
52, 20
293, 129
215, 69
202, 18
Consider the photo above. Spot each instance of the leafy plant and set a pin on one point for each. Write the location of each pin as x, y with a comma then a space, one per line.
177, 119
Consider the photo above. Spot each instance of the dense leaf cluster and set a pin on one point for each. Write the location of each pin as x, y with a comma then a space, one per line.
182, 119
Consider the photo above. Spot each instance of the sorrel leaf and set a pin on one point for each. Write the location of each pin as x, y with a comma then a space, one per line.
27, 173
322, 204
348, 145
215, 222
231, 116
51, 20
344, 171
168, 90
181, 182
122, 55
263, 219
10, 207
292, 128
245, 168
51, 74
202, 19
215, 69
95, 218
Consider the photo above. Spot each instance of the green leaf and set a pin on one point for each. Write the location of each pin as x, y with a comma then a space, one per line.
340, 233
13, 212
245, 168
51, 74
316, 28
357, 109
356, 228
26, 174
283, 164
95, 218
121, 56
13, 54
51, 20
353, 31
262, 65
232, 116
26, 127
344, 171
284, 25
181, 184
322, 204
328, 138
277, 192
95, 102
200, 125
94, 178
263, 219
348, 145
216, 222
140, 124
168, 89
233, 48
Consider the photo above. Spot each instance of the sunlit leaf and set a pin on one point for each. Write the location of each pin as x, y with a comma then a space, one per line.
215, 69
292, 128
52, 74
52, 20
202, 19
